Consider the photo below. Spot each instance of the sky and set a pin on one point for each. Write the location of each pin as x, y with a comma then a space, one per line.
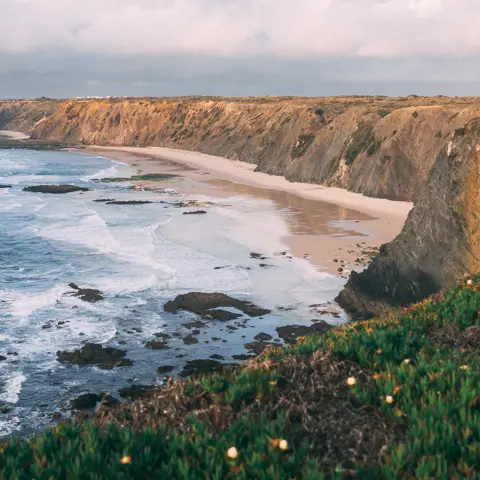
68, 48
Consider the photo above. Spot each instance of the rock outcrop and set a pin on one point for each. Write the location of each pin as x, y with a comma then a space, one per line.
208, 306
379, 146
55, 189
440, 241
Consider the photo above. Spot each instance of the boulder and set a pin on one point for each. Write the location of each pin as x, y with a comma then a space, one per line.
195, 212
165, 369
87, 294
290, 333
94, 354
157, 345
87, 401
5, 186
200, 367
204, 303
55, 189
128, 202
133, 392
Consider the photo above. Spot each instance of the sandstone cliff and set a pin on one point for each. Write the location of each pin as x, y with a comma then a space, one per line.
25, 115
379, 146
440, 241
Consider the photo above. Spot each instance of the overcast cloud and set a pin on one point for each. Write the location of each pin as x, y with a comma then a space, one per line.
164, 44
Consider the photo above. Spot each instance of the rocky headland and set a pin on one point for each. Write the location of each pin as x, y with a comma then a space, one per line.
440, 242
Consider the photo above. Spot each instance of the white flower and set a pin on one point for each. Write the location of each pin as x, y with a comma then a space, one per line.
232, 453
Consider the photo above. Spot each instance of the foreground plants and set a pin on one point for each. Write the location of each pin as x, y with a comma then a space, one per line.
396, 397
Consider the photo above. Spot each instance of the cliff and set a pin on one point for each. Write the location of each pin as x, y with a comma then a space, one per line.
25, 115
440, 241
379, 146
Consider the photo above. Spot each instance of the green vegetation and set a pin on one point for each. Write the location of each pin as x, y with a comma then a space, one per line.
396, 397
302, 145
438, 134
151, 177
363, 140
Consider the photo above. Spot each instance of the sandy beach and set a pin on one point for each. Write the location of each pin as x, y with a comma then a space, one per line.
334, 229
8, 134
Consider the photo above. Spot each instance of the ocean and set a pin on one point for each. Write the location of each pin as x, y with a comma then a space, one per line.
139, 256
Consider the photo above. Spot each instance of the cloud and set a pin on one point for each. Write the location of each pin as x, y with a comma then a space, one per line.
289, 28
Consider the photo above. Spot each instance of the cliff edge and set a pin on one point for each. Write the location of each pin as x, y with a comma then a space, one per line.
440, 241
379, 146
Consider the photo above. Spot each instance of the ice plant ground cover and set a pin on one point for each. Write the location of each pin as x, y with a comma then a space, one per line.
395, 397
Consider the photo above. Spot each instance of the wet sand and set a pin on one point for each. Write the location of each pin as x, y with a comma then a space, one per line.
336, 238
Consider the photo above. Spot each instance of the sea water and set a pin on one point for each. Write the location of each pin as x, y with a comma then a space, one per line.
139, 256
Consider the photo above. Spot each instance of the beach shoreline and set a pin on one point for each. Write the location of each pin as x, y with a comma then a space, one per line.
242, 172
372, 221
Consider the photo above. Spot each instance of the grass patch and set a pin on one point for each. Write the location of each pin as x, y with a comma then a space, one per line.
363, 140
395, 397
302, 145
151, 177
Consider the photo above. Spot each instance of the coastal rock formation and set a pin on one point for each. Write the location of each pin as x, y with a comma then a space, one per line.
379, 146
55, 189
90, 295
94, 354
440, 242
290, 333
204, 304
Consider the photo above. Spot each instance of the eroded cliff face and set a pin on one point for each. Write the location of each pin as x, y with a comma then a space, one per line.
25, 115
440, 241
382, 147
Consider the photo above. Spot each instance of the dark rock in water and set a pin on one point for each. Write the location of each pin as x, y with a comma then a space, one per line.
265, 265
5, 409
47, 326
196, 324
198, 367
190, 340
94, 354
222, 315
258, 347
2, 358
56, 416
5, 186
136, 391
243, 357
165, 369
157, 345
104, 200
290, 333
56, 189
263, 337
85, 401
88, 401
216, 356
258, 256
163, 336
87, 294
196, 212
439, 243
129, 202
12, 354
204, 303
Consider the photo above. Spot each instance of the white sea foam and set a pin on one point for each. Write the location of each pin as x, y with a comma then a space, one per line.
9, 165
110, 172
12, 387
9, 207
22, 305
